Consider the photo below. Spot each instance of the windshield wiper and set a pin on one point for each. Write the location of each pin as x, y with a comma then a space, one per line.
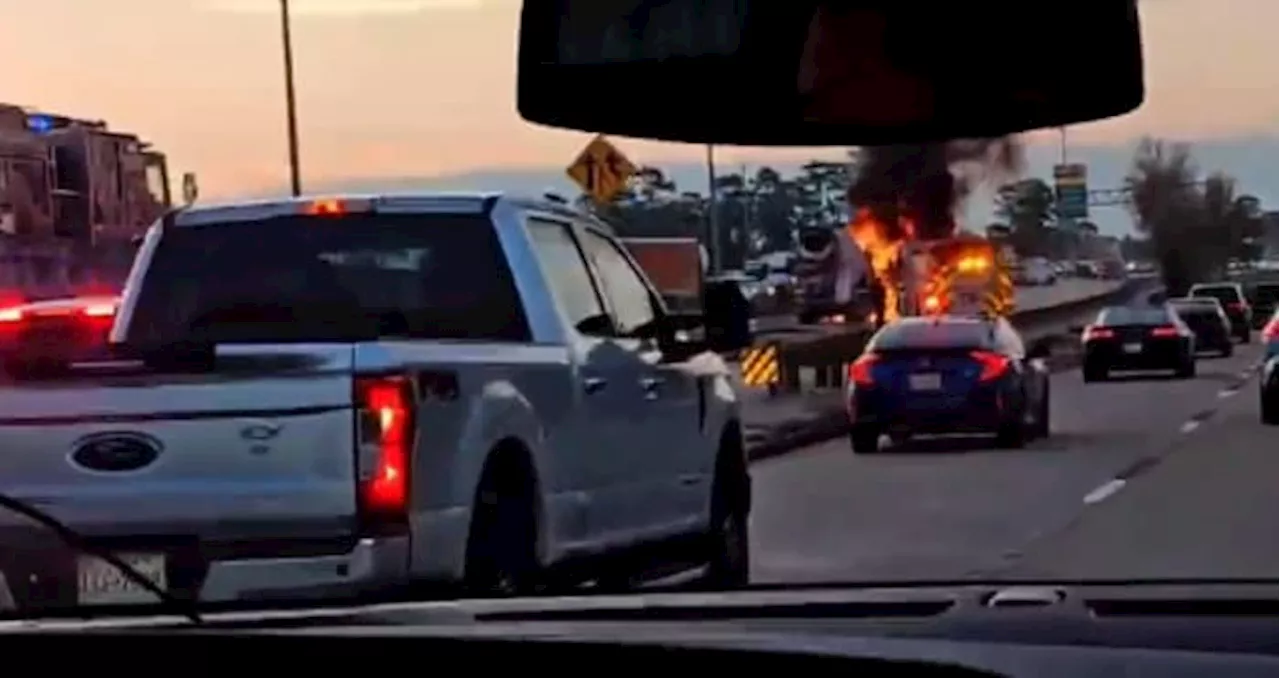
184, 607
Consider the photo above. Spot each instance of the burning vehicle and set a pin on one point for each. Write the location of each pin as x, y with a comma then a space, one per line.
904, 220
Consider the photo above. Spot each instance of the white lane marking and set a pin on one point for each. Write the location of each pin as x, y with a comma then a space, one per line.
1189, 426
1104, 490
1228, 392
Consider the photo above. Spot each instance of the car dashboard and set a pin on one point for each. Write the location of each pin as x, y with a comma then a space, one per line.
1041, 631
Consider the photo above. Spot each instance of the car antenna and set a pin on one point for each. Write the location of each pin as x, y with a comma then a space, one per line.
70, 537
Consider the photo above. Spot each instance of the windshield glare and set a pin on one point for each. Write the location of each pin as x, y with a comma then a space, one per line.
1034, 357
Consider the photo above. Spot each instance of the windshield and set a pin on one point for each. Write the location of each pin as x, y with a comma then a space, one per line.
430, 397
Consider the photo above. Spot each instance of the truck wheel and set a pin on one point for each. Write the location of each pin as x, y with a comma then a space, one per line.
729, 540
502, 555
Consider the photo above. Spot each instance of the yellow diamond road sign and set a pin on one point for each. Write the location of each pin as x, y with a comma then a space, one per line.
601, 170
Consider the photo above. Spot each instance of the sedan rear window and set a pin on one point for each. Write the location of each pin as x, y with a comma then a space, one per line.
1194, 305
316, 279
911, 334
1224, 293
1133, 315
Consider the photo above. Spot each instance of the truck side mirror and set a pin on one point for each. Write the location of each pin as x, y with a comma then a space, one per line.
726, 316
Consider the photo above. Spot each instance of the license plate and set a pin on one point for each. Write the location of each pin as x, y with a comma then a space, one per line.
100, 583
925, 382
1133, 348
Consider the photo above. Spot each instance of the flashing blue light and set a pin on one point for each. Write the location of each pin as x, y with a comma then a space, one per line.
39, 123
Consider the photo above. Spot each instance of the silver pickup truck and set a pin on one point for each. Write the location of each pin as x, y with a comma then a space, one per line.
325, 397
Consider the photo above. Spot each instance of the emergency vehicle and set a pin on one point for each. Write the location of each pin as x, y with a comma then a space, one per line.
965, 275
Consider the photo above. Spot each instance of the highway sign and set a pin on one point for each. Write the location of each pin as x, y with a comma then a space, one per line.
1071, 191
601, 170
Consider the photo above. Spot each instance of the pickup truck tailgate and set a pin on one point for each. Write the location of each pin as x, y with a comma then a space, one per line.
259, 447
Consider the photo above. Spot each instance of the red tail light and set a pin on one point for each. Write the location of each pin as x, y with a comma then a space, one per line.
1093, 333
1164, 332
860, 370
1271, 331
385, 422
10, 315
993, 364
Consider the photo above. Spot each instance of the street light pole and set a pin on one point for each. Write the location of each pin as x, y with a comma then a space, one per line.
713, 222
291, 106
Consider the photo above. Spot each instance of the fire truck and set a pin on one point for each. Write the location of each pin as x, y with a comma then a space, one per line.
963, 275
74, 197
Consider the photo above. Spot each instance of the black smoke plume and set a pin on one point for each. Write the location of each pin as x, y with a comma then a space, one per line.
927, 182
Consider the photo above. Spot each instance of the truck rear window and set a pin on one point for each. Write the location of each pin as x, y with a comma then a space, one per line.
319, 279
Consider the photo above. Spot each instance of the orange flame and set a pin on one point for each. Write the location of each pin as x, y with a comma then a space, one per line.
874, 239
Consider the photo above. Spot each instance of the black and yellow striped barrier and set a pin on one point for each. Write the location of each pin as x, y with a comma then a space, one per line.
760, 366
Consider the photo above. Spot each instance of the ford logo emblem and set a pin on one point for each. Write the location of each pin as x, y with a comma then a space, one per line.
115, 452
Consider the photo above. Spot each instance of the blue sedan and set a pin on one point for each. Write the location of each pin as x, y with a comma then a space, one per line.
948, 375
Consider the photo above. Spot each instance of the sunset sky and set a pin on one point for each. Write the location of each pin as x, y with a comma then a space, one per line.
426, 87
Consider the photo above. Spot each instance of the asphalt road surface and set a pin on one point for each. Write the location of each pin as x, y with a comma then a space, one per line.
1150, 477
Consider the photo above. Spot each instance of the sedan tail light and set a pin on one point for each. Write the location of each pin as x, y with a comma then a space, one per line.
860, 370
1093, 333
993, 364
1164, 332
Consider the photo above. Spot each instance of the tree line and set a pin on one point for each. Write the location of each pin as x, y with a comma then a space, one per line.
1191, 226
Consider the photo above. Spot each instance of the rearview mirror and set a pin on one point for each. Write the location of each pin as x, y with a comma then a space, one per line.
762, 72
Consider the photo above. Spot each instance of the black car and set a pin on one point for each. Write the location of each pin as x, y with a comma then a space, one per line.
948, 375
1231, 296
1137, 338
1208, 321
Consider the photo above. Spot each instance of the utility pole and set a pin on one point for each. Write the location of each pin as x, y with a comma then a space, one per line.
713, 222
1062, 144
290, 102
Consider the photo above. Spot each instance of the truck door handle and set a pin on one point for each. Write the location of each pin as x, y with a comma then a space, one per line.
593, 384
